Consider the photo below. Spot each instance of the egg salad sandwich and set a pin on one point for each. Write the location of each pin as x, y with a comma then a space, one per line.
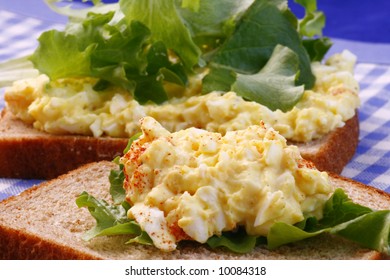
215, 65
195, 194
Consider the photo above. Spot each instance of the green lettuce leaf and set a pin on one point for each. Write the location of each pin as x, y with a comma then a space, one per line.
190, 4
251, 45
119, 53
317, 48
211, 19
97, 49
342, 217
52, 55
340, 209
310, 28
238, 242
313, 22
166, 26
218, 79
274, 86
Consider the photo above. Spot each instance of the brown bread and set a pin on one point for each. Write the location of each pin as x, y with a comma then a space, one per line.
29, 153
45, 223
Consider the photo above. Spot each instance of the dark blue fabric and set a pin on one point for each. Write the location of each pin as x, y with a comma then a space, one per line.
359, 20
363, 20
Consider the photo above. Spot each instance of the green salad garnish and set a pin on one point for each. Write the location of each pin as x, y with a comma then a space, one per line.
257, 48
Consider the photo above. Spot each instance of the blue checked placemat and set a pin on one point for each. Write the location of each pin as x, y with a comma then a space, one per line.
370, 165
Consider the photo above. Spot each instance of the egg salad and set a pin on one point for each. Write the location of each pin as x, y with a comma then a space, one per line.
72, 106
193, 184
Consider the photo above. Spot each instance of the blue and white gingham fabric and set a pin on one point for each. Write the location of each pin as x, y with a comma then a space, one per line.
370, 165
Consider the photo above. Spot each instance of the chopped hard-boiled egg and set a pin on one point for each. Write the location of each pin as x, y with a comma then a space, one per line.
193, 184
73, 106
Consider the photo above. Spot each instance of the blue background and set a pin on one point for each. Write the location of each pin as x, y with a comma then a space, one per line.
363, 20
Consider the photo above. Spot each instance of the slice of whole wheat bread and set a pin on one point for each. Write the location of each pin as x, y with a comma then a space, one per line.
29, 153
333, 151
45, 223
32, 154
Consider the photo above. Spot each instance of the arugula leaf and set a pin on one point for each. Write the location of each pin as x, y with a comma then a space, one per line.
110, 220
116, 179
142, 238
131, 140
106, 215
274, 86
130, 227
117, 176
127, 43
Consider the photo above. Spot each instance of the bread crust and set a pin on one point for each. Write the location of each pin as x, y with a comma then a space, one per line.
332, 152
32, 154
45, 223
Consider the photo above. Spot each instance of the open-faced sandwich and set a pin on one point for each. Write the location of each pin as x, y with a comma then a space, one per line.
215, 65
195, 194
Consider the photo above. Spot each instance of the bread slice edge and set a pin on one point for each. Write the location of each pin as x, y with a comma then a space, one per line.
32, 154
44, 223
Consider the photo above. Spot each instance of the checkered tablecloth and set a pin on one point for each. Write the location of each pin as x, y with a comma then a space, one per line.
370, 165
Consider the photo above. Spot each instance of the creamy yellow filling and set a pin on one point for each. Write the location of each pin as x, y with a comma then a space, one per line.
72, 106
193, 183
